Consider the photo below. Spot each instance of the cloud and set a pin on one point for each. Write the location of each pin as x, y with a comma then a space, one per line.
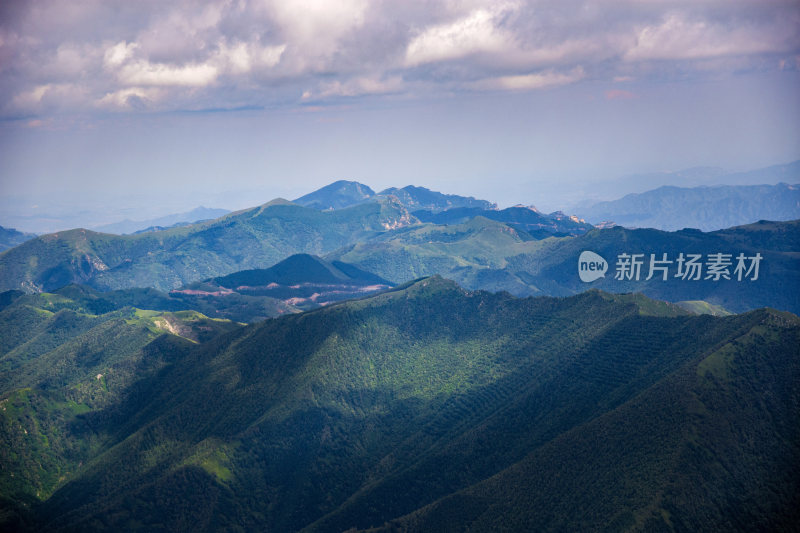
146, 73
130, 98
357, 87
479, 31
119, 53
74, 57
528, 82
680, 37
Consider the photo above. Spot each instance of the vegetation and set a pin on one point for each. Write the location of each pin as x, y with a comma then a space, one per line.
253, 238
426, 407
523, 219
484, 254
422, 407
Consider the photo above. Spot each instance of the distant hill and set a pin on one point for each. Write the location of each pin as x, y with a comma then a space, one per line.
416, 198
341, 194
425, 408
132, 226
520, 218
303, 281
9, 237
337, 195
705, 208
490, 255
708, 177
251, 238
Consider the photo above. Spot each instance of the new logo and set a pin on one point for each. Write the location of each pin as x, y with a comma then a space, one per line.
591, 266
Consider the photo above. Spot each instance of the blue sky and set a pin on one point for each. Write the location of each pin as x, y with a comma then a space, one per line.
119, 109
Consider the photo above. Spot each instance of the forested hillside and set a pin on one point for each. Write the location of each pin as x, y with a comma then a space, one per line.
426, 406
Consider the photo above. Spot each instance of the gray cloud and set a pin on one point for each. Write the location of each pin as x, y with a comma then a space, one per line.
60, 57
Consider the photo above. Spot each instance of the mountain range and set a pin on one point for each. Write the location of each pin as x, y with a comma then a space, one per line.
706, 177
425, 408
707, 208
342, 193
251, 238
132, 226
9, 237
401, 361
384, 239
485, 254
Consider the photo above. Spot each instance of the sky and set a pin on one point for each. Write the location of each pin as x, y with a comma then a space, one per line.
112, 110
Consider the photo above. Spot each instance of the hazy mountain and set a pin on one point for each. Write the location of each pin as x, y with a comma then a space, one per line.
705, 208
252, 238
337, 195
132, 226
788, 173
9, 237
341, 194
489, 255
425, 408
416, 198
382, 238
707, 177
521, 218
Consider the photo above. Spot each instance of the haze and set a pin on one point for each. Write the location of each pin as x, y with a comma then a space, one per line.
120, 109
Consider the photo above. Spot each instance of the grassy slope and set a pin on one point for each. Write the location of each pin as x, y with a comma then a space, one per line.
60, 366
367, 411
253, 238
489, 255
474, 254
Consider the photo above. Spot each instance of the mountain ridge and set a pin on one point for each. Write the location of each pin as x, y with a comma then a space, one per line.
707, 208
419, 394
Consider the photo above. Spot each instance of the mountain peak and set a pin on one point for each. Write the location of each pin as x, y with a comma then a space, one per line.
337, 195
415, 198
300, 268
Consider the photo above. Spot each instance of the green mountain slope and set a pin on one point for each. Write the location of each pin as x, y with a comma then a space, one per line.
474, 253
253, 238
710, 447
524, 219
366, 412
300, 268
778, 283
300, 281
483, 254
60, 364
415, 198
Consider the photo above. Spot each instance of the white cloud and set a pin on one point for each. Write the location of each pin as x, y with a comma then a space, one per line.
679, 37
129, 98
42, 98
208, 53
314, 29
358, 87
146, 73
31, 99
119, 53
477, 32
242, 57
528, 82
